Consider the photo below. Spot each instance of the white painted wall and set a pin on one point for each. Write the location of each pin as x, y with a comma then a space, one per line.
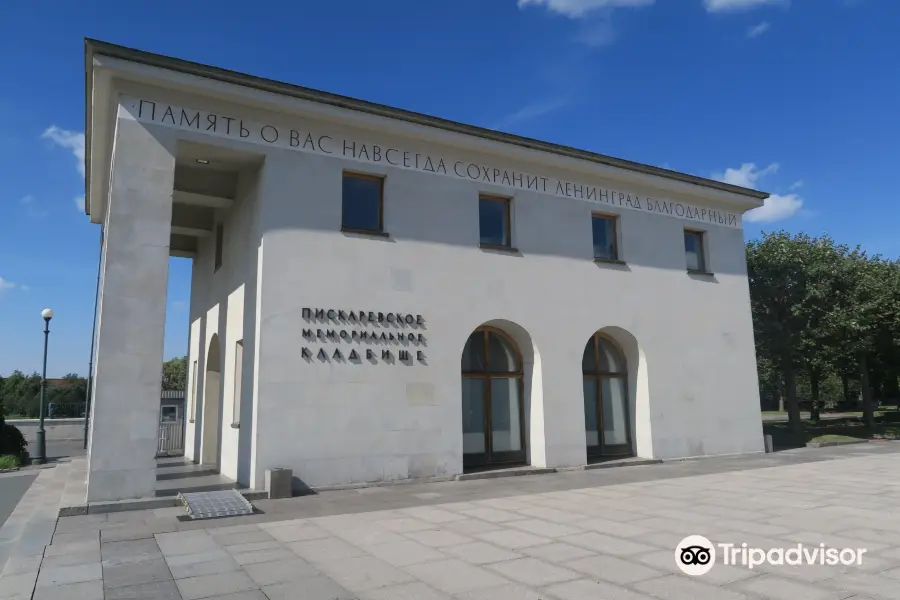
218, 307
688, 339
695, 393
196, 367
131, 315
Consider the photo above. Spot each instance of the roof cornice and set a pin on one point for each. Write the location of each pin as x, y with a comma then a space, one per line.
99, 48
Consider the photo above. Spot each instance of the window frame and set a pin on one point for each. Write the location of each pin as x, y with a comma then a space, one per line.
703, 262
490, 458
604, 450
616, 248
220, 247
367, 177
507, 202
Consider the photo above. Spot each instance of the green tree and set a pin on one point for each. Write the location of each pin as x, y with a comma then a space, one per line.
796, 322
864, 302
778, 282
818, 341
174, 374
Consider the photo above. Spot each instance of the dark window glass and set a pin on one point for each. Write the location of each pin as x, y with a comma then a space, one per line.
169, 414
693, 251
502, 357
473, 358
589, 358
220, 230
604, 357
605, 238
362, 203
473, 408
493, 217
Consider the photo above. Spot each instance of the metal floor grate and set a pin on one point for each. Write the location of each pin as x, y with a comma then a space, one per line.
208, 505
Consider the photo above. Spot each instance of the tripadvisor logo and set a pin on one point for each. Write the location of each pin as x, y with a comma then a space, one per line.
695, 555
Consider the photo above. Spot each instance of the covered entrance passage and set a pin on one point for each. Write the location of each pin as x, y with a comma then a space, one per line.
606, 419
492, 400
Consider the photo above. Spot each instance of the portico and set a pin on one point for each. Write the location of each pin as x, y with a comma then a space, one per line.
380, 295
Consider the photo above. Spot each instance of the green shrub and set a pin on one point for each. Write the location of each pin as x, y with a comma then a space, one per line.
12, 442
8, 461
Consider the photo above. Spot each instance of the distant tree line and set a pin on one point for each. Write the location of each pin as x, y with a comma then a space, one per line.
20, 394
826, 321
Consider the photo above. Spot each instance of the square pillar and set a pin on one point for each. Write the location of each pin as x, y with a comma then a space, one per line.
132, 315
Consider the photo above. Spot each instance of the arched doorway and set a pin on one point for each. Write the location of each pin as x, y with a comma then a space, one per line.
606, 415
209, 446
492, 400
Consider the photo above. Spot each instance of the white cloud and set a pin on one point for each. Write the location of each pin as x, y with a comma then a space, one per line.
796, 185
597, 32
746, 175
79, 202
7, 285
71, 140
575, 9
758, 30
532, 110
720, 6
32, 207
777, 206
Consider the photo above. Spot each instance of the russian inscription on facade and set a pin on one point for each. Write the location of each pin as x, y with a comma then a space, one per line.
300, 136
398, 336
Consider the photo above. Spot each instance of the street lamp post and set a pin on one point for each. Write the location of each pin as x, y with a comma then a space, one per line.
41, 457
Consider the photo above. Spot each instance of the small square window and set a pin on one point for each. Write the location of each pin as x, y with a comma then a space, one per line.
494, 220
169, 414
606, 245
694, 251
220, 231
363, 203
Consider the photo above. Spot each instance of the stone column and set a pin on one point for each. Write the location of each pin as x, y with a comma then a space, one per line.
132, 315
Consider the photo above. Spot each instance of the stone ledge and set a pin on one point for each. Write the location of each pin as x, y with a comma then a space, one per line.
370, 484
96, 508
706, 456
625, 462
836, 443
514, 472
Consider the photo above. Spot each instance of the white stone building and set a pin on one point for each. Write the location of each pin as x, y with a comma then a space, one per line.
381, 295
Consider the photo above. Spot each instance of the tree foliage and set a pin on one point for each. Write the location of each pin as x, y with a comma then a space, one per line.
823, 312
20, 395
174, 374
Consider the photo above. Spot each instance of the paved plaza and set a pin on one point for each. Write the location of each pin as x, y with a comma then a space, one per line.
596, 535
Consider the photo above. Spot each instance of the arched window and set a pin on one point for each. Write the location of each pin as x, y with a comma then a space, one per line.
492, 403
606, 419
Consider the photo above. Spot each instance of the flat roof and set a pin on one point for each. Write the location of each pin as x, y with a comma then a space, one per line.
96, 47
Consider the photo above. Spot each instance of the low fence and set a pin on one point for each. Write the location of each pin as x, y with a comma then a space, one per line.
55, 430
53, 410
59, 426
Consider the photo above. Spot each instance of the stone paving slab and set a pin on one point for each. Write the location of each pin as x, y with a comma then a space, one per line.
545, 543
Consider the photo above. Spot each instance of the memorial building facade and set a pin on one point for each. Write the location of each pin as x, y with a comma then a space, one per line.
381, 295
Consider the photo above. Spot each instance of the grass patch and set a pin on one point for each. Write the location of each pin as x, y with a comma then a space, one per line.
8, 461
832, 437
844, 429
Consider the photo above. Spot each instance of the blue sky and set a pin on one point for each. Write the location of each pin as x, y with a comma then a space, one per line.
797, 98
